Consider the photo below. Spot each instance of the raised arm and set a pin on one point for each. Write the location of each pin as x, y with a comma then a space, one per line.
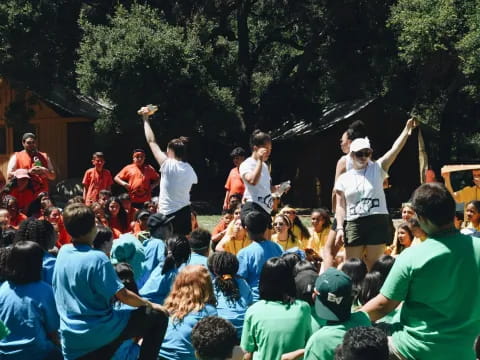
159, 155
387, 160
448, 185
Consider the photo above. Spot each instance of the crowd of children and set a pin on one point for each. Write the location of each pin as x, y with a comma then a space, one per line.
125, 277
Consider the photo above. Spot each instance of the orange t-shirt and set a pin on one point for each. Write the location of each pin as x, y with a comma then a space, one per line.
219, 227
234, 182
140, 180
94, 182
25, 161
63, 236
24, 198
15, 222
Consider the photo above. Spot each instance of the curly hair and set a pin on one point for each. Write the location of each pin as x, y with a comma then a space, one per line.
177, 252
191, 291
38, 231
224, 266
214, 338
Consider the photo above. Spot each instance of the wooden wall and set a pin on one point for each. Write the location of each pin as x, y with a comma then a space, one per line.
50, 128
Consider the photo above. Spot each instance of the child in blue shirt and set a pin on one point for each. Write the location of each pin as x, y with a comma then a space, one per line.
157, 287
43, 233
190, 300
84, 284
27, 307
232, 292
200, 244
253, 257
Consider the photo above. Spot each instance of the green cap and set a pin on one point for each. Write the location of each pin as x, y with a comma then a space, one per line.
334, 295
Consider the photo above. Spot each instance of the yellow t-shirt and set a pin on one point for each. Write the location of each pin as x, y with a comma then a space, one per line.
298, 235
317, 240
290, 243
467, 194
235, 245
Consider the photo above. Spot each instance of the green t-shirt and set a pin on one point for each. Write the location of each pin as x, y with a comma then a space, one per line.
322, 344
4, 332
272, 328
439, 282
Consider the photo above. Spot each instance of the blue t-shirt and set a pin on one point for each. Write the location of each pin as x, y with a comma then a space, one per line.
251, 260
84, 284
197, 259
29, 312
47, 267
234, 311
177, 344
158, 286
154, 250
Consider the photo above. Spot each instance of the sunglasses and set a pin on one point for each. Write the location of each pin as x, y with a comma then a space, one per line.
278, 224
290, 212
363, 153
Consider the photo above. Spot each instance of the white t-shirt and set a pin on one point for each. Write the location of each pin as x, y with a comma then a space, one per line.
348, 162
175, 184
260, 193
363, 191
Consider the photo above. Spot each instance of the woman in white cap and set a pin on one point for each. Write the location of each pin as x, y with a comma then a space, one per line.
361, 199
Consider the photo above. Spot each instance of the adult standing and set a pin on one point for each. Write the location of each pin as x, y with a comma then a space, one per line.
138, 178
439, 318
255, 174
466, 194
37, 163
234, 184
177, 178
361, 199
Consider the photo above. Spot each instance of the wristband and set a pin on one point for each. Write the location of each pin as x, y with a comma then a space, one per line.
338, 228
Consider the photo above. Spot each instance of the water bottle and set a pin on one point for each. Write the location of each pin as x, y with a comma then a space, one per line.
281, 189
36, 161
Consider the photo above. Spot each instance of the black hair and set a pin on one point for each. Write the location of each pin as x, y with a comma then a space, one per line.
122, 214
238, 151
476, 204
4, 253
98, 154
79, 219
363, 343
227, 211
24, 263
383, 265
104, 234
236, 195
259, 138
356, 269
125, 274
256, 223
303, 265
291, 259
433, 202
35, 207
303, 229
48, 211
199, 239
356, 130
38, 231
276, 281
214, 338
179, 147
371, 286
177, 252
413, 222
400, 247
76, 200
325, 215
224, 266
7, 237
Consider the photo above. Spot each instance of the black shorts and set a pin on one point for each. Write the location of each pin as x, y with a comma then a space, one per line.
368, 230
182, 223
249, 207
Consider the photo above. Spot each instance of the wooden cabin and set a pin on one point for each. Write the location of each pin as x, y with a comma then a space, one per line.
307, 153
63, 122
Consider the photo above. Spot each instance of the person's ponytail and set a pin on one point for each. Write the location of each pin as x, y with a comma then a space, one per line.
177, 252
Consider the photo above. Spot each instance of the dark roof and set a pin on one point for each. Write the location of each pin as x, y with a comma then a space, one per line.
331, 116
70, 103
